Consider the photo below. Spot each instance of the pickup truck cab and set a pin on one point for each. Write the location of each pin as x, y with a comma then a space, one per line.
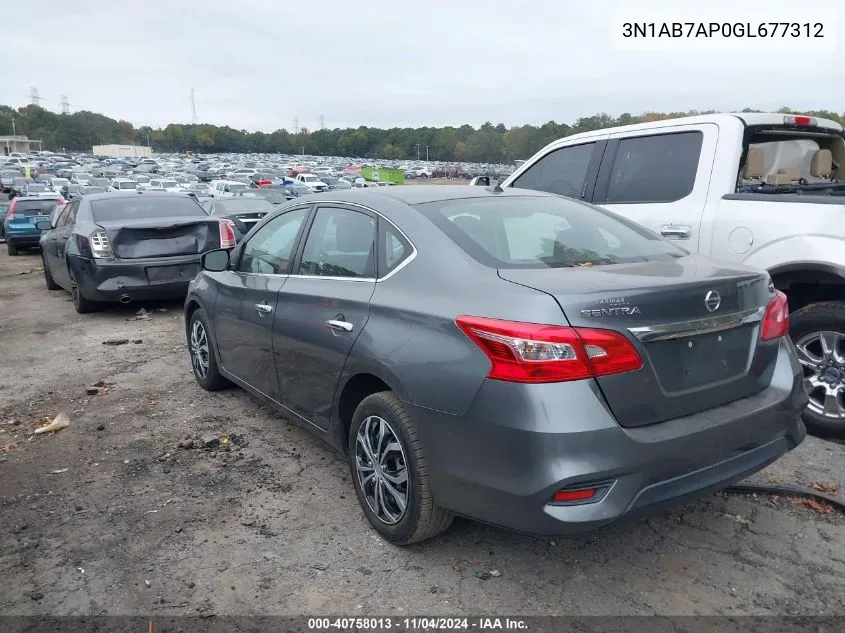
765, 190
312, 182
226, 188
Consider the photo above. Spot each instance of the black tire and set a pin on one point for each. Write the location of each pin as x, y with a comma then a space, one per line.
422, 518
12, 249
213, 380
80, 303
48, 277
804, 324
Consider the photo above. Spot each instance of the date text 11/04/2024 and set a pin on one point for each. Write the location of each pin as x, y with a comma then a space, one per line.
417, 624
723, 29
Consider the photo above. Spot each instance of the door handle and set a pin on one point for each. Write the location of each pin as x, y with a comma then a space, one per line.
670, 230
263, 309
346, 326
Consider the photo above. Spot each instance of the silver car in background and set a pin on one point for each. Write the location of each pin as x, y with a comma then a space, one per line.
515, 357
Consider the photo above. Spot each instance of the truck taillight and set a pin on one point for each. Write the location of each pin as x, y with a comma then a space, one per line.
776, 319
100, 246
11, 212
227, 234
536, 353
799, 120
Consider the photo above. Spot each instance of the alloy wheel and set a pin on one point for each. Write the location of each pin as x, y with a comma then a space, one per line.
822, 356
382, 470
199, 349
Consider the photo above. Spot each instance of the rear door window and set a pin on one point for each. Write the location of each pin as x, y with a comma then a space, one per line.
563, 171
340, 244
659, 168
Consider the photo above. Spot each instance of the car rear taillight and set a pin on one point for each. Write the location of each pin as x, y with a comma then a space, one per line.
536, 353
776, 320
100, 246
227, 234
11, 212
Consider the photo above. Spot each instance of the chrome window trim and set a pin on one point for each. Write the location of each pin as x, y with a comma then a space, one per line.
707, 325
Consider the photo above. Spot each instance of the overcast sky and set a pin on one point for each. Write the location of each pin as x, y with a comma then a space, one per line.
383, 63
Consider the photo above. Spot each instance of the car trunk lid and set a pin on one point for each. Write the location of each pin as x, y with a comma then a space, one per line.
170, 237
694, 323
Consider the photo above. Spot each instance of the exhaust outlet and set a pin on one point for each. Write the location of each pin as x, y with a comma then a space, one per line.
125, 299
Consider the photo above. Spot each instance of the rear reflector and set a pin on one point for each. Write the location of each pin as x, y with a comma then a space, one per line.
568, 496
537, 353
776, 320
227, 234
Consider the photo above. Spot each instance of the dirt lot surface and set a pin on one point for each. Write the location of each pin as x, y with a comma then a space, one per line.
112, 516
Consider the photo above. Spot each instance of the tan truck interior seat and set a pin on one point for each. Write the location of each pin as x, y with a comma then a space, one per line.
755, 165
785, 176
821, 166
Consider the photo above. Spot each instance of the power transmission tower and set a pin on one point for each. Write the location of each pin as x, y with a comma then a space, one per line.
65, 105
322, 122
193, 107
296, 125
34, 97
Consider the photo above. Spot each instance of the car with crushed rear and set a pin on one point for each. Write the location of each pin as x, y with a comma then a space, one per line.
128, 246
516, 357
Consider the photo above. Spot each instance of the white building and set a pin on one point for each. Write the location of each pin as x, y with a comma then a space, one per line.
122, 151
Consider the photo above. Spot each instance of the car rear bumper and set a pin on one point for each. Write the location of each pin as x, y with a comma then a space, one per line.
142, 279
502, 461
23, 238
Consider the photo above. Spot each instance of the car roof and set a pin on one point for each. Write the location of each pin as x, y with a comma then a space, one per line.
420, 194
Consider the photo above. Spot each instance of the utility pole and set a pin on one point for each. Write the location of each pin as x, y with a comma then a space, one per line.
418, 152
13, 125
322, 122
65, 105
34, 97
193, 108
426, 153
296, 125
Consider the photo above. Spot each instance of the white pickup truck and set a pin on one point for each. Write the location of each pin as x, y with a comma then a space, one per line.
765, 190
312, 182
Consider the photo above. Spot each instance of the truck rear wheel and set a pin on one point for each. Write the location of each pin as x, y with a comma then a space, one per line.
818, 331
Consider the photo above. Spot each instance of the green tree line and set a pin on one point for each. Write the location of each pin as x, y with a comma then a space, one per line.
488, 143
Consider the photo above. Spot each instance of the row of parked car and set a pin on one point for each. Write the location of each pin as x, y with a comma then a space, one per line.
514, 353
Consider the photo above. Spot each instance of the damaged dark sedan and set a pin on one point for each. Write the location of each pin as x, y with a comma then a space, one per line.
121, 247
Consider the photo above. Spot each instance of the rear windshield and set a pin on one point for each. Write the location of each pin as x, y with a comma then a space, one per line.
35, 207
535, 232
128, 185
145, 207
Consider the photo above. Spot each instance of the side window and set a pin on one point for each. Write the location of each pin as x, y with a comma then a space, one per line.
220, 186
69, 217
393, 249
340, 244
270, 250
562, 171
657, 168
62, 215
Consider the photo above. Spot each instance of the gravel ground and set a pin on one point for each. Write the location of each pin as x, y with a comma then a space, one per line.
110, 516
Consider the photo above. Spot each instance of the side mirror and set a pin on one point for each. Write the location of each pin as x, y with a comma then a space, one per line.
43, 225
215, 261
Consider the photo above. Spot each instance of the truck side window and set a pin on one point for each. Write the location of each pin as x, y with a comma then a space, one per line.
658, 168
562, 171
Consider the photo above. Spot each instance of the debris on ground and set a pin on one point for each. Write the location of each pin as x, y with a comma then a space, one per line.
138, 341
828, 488
495, 573
60, 422
59, 471
482, 575
8, 448
812, 504
31, 270
99, 388
739, 519
116, 341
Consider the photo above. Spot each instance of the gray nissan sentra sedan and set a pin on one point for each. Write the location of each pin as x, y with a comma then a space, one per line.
511, 356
